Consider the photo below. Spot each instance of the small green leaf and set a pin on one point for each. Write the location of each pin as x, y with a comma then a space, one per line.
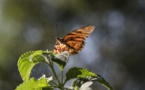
76, 72
60, 63
33, 84
61, 59
37, 56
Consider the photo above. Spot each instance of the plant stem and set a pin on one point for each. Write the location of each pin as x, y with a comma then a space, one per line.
50, 64
53, 83
60, 86
62, 77
54, 73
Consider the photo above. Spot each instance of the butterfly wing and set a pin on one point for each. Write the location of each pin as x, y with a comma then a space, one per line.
74, 41
79, 34
76, 38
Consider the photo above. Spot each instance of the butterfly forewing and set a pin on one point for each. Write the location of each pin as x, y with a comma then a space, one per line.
74, 41
80, 33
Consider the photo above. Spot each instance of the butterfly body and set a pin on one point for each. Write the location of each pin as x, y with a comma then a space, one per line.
74, 41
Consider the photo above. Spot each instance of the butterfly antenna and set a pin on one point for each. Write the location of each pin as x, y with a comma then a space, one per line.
56, 31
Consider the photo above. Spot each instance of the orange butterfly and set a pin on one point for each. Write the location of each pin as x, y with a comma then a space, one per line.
73, 42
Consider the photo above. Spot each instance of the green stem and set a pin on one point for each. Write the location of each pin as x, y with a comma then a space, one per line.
60, 84
54, 73
62, 77
53, 83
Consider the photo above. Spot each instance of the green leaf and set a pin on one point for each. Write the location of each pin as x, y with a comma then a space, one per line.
25, 66
37, 56
27, 61
80, 81
33, 84
76, 72
83, 76
104, 83
60, 63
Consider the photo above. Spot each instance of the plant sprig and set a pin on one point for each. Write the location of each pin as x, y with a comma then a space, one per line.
83, 77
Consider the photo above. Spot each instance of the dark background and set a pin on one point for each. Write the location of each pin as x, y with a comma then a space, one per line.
115, 49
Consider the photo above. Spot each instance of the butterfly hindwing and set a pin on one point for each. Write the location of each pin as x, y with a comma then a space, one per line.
74, 41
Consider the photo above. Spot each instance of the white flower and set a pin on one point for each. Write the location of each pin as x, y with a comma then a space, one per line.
64, 56
86, 86
48, 79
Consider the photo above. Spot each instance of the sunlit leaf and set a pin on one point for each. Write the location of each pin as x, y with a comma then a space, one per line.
27, 61
33, 84
25, 66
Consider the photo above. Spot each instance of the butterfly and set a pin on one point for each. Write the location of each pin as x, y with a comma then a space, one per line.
74, 41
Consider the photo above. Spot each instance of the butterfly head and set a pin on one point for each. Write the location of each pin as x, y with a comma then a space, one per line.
59, 47
59, 40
